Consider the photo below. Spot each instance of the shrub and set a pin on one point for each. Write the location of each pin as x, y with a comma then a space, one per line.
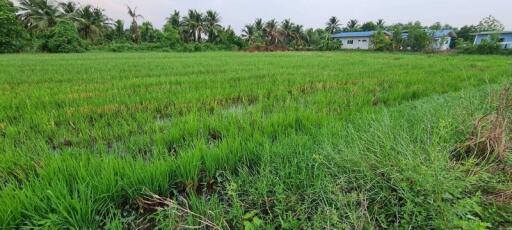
381, 41
12, 34
63, 38
487, 46
329, 44
418, 39
171, 37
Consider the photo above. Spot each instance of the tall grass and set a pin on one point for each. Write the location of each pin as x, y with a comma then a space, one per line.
304, 139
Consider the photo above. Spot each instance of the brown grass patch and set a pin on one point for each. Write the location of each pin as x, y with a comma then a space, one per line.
490, 138
152, 203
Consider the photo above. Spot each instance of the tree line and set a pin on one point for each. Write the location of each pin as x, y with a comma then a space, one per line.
50, 26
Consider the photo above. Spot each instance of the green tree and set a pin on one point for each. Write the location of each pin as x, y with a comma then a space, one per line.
369, 26
171, 36
286, 29
381, 41
418, 39
213, 27
12, 34
134, 27
352, 25
490, 23
249, 34
39, 15
91, 22
381, 24
333, 25
149, 34
194, 25
174, 25
62, 38
397, 39
69, 8
258, 27
466, 32
436, 26
272, 32
119, 31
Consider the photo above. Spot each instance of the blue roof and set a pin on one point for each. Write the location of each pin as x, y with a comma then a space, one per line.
443, 33
353, 34
434, 33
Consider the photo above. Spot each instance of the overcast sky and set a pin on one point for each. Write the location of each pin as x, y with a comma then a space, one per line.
314, 13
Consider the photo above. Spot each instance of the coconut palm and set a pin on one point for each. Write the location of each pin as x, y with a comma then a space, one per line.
249, 33
352, 25
298, 35
91, 22
134, 27
194, 25
286, 29
258, 27
272, 32
69, 8
119, 32
39, 15
380, 24
333, 25
212, 20
174, 20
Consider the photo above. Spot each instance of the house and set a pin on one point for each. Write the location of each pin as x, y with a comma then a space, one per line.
504, 38
355, 40
441, 39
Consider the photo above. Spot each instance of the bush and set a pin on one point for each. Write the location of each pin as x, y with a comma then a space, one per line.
418, 39
381, 41
12, 34
487, 46
63, 38
329, 45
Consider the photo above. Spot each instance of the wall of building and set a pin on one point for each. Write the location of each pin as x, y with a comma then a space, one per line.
362, 43
506, 39
441, 43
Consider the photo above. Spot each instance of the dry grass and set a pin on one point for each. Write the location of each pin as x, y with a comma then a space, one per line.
154, 203
490, 138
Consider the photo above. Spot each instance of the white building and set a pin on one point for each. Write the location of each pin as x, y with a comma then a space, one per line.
355, 40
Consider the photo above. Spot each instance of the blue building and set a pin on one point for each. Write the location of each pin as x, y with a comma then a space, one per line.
441, 39
504, 38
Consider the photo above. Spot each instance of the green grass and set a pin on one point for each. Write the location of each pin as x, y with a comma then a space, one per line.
265, 140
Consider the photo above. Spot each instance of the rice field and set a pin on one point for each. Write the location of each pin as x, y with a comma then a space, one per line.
232, 140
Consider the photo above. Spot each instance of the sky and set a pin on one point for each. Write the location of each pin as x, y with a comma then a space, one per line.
314, 13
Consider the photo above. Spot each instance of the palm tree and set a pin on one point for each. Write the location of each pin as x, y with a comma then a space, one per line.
91, 22
194, 24
39, 15
119, 29
174, 20
249, 33
333, 25
298, 35
258, 27
272, 32
69, 8
380, 24
212, 20
353, 25
134, 27
286, 28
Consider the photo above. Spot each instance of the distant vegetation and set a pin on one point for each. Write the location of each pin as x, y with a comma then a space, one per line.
30, 27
